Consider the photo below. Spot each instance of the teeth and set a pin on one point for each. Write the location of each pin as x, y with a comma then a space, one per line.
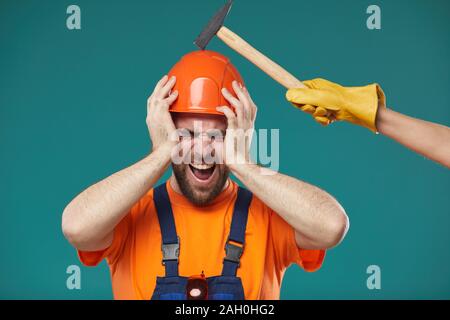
202, 166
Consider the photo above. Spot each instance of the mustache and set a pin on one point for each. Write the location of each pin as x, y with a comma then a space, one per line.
206, 196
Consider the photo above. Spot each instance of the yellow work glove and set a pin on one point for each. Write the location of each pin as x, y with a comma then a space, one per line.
328, 102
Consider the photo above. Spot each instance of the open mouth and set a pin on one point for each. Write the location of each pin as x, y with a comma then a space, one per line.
202, 171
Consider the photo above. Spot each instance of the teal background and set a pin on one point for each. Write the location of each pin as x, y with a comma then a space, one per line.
73, 106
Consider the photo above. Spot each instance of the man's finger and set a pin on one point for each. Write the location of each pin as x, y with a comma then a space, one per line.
243, 97
253, 106
164, 91
238, 106
172, 97
160, 84
230, 98
158, 87
229, 114
240, 93
249, 96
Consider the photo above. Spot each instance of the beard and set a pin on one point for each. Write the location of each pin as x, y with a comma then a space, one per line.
200, 196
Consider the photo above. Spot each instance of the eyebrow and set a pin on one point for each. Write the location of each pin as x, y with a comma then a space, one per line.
216, 131
209, 131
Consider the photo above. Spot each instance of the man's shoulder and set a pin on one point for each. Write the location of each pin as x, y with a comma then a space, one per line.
259, 207
143, 205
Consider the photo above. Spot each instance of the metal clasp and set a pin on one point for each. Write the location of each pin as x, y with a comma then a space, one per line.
233, 252
170, 251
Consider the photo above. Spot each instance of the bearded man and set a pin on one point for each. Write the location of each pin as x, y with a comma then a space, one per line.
199, 235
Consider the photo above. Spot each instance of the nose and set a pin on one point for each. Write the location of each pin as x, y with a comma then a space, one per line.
203, 148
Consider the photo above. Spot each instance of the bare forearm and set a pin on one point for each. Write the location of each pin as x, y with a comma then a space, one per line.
312, 212
429, 139
90, 218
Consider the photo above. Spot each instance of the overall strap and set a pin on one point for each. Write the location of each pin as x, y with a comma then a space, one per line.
236, 239
170, 242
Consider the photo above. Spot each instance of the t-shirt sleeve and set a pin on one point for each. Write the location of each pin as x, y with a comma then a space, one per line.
93, 258
286, 249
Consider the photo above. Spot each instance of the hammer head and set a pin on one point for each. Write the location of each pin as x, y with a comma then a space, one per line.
213, 26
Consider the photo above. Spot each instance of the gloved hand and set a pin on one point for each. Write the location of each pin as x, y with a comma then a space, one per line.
328, 101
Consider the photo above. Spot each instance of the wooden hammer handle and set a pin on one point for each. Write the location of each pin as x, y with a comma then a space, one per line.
274, 70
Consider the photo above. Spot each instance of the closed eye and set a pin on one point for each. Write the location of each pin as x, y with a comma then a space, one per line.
216, 134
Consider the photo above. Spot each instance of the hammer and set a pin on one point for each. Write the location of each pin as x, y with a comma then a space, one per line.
216, 27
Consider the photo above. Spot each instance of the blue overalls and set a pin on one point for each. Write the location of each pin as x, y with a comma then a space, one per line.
224, 287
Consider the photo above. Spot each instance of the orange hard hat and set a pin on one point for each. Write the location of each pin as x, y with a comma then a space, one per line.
200, 76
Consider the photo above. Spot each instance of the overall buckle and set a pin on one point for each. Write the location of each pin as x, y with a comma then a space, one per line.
170, 251
233, 252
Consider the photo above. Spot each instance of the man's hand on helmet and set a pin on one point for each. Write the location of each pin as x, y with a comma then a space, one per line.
159, 121
240, 125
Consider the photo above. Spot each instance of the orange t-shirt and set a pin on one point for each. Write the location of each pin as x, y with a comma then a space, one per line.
135, 255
